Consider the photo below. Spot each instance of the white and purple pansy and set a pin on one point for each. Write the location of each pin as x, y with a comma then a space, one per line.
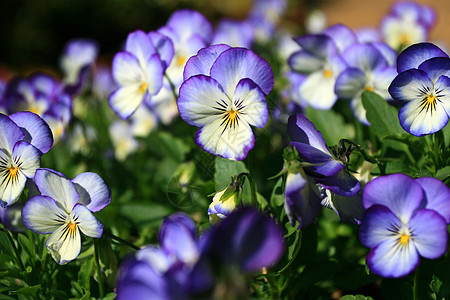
368, 70
138, 72
403, 221
223, 94
24, 137
326, 170
423, 83
65, 208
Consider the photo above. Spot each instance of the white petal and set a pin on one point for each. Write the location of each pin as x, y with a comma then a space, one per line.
126, 69
253, 102
232, 142
42, 215
318, 90
86, 221
125, 100
64, 244
94, 193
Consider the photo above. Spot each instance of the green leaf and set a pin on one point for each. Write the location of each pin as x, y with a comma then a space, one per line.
5, 245
443, 173
27, 246
225, 169
29, 290
382, 117
277, 197
144, 213
165, 144
356, 297
84, 275
331, 124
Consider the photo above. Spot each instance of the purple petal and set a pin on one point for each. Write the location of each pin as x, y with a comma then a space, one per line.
200, 100
36, 130
399, 192
302, 201
164, 47
435, 67
93, 191
302, 130
10, 133
343, 36
201, 63
389, 54
436, 196
389, 260
237, 63
416, 54
154, 74
408, 85
140, 45
319, 44
429, 233
364, 57
57, 186
42, 215
251, 103
349, 83
187, 22
377, 225
305, 62
341, 183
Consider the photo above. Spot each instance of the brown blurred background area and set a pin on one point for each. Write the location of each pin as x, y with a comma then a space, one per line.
33, 33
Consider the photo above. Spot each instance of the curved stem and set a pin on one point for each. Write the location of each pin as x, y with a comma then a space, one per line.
99, 272
122, 241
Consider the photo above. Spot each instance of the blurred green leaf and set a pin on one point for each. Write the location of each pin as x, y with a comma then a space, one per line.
144, 213
382, 117
27, 246
356, 297
331, 124
165, 144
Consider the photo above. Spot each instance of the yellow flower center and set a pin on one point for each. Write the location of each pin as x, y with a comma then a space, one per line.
429, 102
328, 73
405, 39
181, 60
142, 87
404, 238
369, 88
72, 227
12, 172
231, 118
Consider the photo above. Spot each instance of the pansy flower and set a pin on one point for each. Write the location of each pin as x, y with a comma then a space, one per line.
24, 137
224, 93
138, 72
326, 170
368, 69
423, 83
65, 208
403, 221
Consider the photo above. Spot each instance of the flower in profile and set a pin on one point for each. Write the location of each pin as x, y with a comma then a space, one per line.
65, 208
404, 220
423, 83
368, 70
78, 56
326, 170
138, 72
223, 94
24, 137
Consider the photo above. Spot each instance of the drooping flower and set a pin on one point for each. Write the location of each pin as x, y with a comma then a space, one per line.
24, 137
222, 206
368, 69
223, 94
326, 170
423, 83
139, 73
65, 208
401, 222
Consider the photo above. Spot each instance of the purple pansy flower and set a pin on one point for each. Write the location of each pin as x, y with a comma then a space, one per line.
327, 171
368, 69
138, 72
24, 137
223, 94
234, 33
423, 83
65, 208
401, 222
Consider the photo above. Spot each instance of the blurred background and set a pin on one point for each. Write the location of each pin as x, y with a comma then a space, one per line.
33, 33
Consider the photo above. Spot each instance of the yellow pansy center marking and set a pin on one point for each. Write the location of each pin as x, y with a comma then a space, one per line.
404, 238
405, 39
12, 172
369, 88
232, 114
230, 118
181, 60
72, 226
429, 102
328, 73
143, 87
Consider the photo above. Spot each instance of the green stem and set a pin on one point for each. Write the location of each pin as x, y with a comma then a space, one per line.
367, 157
121, 240
172, 86
16, 251
416, 284
99, 272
